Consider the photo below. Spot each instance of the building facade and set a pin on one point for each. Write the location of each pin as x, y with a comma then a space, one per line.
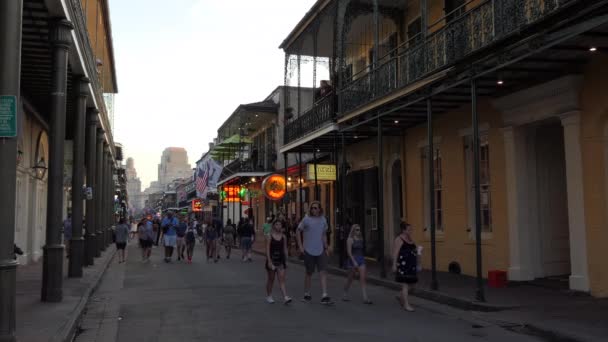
136, 196
173, 165
480, 123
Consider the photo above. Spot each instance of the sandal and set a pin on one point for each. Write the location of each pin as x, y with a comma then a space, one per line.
368, 302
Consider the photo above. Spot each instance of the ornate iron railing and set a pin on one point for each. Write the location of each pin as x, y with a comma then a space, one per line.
447, 44
80, 26
320, 113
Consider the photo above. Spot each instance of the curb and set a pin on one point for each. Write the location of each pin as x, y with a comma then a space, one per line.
435, 296
68, 331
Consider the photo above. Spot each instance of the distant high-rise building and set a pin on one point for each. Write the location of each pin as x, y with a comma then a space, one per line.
173, 165
136, 197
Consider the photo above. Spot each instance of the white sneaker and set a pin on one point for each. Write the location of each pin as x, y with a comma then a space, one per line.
269, 300
287, 300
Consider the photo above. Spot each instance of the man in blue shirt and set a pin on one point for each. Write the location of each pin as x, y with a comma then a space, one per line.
168, 227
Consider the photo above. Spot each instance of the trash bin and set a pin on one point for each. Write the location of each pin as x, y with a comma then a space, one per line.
497, 279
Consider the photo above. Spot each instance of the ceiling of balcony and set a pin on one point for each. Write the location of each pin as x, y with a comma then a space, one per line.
36, 62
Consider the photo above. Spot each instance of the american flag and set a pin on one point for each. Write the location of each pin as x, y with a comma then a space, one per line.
202, 175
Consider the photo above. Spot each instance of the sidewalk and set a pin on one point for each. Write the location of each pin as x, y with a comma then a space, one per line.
38, 321
549, 312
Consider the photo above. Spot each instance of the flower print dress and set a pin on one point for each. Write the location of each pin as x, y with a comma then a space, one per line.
407, 262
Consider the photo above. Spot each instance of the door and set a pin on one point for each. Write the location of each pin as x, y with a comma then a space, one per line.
552, 201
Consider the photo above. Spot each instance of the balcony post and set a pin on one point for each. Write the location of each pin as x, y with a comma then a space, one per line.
285, 201
424, 17
99, 192
342, 190
300, 181
314, 157
10, 69
52, 268
380, 209
479, 295
375, 55
431, 176
91, 150
77, 241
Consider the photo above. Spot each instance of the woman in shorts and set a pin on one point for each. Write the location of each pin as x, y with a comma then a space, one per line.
122, 235
356, 262
276, 261
210, 239
229, 232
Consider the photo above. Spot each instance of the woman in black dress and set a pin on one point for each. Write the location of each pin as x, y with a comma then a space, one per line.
405, 263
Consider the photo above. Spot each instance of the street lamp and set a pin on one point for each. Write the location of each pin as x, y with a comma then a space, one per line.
40, 169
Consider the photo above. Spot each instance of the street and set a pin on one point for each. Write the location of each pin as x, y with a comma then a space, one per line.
225, 302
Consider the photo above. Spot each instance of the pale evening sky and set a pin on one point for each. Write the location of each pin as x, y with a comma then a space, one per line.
183, 66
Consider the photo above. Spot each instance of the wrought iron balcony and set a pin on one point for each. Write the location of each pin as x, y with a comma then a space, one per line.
316, 117
446, 45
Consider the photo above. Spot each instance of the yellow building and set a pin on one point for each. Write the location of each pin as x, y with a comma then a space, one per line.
531, 70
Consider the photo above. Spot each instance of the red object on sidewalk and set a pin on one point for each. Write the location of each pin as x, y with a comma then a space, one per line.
497, 279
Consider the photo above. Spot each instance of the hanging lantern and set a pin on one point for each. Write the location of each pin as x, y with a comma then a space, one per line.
274, 187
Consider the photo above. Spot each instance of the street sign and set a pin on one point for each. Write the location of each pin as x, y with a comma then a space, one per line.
8, 116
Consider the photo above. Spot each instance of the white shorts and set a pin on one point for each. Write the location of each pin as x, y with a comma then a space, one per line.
170, 240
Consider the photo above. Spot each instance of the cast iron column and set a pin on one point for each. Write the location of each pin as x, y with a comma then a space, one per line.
98, 194
479, 294
10, 69
91, 147
314, 157
77, 242
431, 175
104, 199
380, 192
300, 181
52, 267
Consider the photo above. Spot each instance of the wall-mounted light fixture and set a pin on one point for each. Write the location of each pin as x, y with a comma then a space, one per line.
40, 169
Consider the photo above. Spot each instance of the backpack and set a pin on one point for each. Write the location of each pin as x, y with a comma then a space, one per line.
190, 237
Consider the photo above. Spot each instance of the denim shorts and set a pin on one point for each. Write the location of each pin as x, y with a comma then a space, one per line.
246, 242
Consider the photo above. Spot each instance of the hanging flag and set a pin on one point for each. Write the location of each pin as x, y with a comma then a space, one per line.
208, 172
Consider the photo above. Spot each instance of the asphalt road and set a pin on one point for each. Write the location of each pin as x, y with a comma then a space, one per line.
226, 302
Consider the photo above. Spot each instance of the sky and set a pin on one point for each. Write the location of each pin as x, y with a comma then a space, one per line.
183, 66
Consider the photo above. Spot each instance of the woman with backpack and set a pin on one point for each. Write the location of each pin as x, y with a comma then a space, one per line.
180, 231
191, 234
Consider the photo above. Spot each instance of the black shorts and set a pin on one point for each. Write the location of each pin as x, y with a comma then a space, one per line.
145, 243
278, 263
315, 261
121, 245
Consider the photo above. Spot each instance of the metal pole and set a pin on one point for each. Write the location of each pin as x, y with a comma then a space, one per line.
285, 200
98, 193
300, 187
52, 267
479, 294
314, 157
91, 147
343, 201
380, 193
10, 69
376, 19
431, 176
77, 241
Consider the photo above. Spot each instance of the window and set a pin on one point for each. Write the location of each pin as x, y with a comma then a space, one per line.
438, 187
484, 183
453, 9
414, 30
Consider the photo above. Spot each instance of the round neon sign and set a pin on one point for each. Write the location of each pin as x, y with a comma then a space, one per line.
274, 187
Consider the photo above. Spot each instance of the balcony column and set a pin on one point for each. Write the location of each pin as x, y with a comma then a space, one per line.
300, 181
99, 192
479, 294
424, 17
10, 69
77, 242
579, 277
380, 194
52, 268
342, 195
314, 158
91, 150
431, 176
106, 197
285, 201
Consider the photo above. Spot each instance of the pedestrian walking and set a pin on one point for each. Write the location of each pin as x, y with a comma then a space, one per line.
191, 235
180, 232
157, 230
210, 240
314, 247
229, 232
168, 227
267, 227
405, 263
356, 262
276, 261
121, 233
218, 225
247, 238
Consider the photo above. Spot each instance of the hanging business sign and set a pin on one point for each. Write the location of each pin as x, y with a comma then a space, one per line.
231, 193
8, 116
274, 187
197, 205
325, 172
